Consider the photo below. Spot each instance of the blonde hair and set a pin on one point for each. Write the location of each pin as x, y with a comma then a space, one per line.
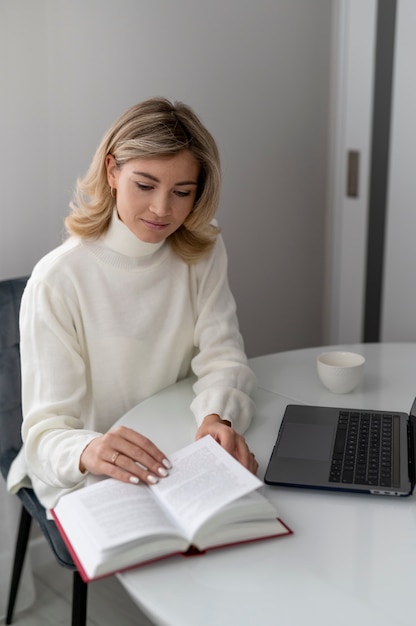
155, 128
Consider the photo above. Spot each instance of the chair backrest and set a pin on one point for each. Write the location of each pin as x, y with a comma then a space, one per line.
10, 382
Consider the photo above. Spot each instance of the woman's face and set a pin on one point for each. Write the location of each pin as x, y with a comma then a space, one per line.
154, 196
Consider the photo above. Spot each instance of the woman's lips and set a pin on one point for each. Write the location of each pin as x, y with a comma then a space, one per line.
154, 225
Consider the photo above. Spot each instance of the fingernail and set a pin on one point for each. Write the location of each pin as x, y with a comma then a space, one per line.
134, 480
162, 471
152, 479
167, 464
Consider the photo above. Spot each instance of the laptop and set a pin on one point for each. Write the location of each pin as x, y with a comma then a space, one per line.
345, 450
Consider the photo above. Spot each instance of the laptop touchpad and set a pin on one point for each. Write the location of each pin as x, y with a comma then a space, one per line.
306, 441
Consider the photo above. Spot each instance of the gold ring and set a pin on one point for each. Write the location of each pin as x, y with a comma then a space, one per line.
114, 457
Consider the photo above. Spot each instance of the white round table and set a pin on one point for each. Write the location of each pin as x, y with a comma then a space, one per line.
352, 557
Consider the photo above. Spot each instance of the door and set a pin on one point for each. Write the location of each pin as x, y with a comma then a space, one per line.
353, 70
398, 319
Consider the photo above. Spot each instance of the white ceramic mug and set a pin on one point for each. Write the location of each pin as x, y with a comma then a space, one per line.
340, 372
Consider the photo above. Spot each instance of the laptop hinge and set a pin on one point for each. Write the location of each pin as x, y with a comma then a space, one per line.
411, 429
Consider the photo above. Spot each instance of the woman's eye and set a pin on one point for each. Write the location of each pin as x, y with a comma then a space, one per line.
182, 194
144, 187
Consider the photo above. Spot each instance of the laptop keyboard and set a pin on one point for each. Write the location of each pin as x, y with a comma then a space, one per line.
366, 449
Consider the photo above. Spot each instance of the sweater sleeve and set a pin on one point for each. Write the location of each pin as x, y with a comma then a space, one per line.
53, 387
224, 380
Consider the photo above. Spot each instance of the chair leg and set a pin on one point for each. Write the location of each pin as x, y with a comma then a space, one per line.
19, 557
79, 600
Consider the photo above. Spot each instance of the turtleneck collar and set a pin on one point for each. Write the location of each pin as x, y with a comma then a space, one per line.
120, 239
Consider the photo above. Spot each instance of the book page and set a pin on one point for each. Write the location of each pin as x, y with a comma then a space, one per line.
113, 513
203, 479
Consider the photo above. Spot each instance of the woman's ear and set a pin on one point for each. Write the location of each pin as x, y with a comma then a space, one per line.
111, 167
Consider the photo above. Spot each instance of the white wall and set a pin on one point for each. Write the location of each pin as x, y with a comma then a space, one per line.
258, 75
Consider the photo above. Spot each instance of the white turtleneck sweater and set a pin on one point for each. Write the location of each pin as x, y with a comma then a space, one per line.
106, 324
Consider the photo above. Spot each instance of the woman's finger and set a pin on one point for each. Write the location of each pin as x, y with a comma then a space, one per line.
125, 455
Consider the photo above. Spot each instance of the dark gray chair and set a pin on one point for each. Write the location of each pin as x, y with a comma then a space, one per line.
10, 443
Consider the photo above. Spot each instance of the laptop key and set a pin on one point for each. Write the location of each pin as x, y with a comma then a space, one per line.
347, 476
340, 440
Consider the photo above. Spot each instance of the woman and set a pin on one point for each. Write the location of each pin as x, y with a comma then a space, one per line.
134, 300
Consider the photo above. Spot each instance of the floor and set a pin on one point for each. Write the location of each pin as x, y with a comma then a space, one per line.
108, 603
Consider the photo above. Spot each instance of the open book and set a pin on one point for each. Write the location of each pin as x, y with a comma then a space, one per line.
208, 500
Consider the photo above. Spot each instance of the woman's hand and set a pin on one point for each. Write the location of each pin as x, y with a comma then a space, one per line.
229, 439
126, 455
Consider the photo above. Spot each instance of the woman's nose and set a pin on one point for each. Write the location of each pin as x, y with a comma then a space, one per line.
160, 205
